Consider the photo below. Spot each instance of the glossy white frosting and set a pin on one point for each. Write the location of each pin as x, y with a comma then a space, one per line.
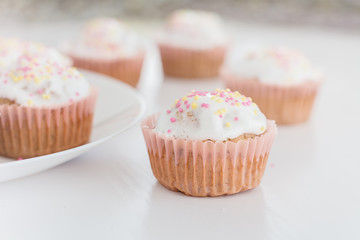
193, 29
11, 49
218, 115
272, 65
105, 38
39, 82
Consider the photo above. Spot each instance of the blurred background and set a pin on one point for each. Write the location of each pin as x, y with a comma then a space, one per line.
344, 14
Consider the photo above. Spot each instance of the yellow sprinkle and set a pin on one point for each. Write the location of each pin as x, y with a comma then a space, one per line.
176, 101
172, 106
213, 98
237, 104
194, 105
196, 97
219, 100
243, 99
256, 112
223, 110
46, 96
262, 128
218, 89
65, 77
227, 124
227, 90
184, 98
30, 102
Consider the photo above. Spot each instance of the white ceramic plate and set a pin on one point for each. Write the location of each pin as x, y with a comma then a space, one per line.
118, 107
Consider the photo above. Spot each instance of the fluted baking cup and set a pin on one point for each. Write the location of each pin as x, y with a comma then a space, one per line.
286, 104
27, 132
191, 63
127, 69
207, 168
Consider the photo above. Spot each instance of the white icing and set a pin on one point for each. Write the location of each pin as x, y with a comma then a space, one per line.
193, 29
218, 115
11, 49
105, 38
273, 65
39, 82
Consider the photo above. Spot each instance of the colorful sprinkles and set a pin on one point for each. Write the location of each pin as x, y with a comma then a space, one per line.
218, 97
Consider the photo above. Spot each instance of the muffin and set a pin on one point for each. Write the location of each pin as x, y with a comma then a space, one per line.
44, 108
280, 80
12, 48
192, 44
209, 143
107, 46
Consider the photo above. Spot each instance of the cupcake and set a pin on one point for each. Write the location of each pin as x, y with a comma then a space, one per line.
209, 143
192, 44
280, 80
44, 108
11, 49
107, 46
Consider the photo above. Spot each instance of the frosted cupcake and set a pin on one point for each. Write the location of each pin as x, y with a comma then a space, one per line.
209, 143
11, 49
107, 46
280, 80
192, 44
44, 108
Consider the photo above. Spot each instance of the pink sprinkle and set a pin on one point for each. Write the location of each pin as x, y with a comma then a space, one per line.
272, 165
172, 120
222, 94
236, 118
186, 102
71, 100
178, 104
77, 94
20, 159
5, 81
220, 116
181, 110
168, 111
169, 131
227, 100
232, 104
205, 105
30, 95
40, 91
187, 106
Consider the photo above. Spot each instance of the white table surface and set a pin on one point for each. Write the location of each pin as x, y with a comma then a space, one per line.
309, 191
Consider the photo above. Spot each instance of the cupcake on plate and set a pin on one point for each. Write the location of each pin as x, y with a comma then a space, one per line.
44, 108
192, 44
107, 46
12, 48
209, 143
280, 80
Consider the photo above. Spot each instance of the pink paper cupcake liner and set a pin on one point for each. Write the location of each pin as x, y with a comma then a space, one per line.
284, 104
207, 168
127, 69
27, 132
191, 63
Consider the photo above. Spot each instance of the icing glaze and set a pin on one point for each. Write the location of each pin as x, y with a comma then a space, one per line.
193, 29
105, 38
11, 49
41, 82
218, 115
273, 65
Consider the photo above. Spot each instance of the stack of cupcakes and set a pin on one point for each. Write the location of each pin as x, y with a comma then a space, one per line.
193, 44
107, 46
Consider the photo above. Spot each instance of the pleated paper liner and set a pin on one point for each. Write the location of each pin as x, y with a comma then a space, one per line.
191, 63
285, 104
27, 132
127, 69
207, 168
